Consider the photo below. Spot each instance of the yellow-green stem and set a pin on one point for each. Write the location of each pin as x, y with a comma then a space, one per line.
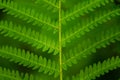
60, 40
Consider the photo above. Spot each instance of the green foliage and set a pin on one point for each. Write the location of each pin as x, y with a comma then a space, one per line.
56, 39
6, 74
27, 35
98, 69
29, 60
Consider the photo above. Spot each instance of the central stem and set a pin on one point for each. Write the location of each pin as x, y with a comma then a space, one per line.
60, 40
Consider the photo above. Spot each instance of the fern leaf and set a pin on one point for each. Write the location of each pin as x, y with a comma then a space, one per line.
65, 33
89, 46
7, 74
28, 15
98, 69
30, 60
27, 35
83, 8
91, 23
50, 4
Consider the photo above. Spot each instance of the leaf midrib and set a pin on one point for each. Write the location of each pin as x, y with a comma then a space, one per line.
60, 41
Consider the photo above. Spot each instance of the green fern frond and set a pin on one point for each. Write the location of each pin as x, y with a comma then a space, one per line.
28, 15
89, 46
98, 69
7, 74
29, 36
91, 23
30, 60
50, 4
58, 39
82, 8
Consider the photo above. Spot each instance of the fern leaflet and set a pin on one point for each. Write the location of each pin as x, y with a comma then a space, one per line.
24, 35
98, 69
7, 74
30, 60
89, 46
86, 26
28, 14
50, 4
83, 8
